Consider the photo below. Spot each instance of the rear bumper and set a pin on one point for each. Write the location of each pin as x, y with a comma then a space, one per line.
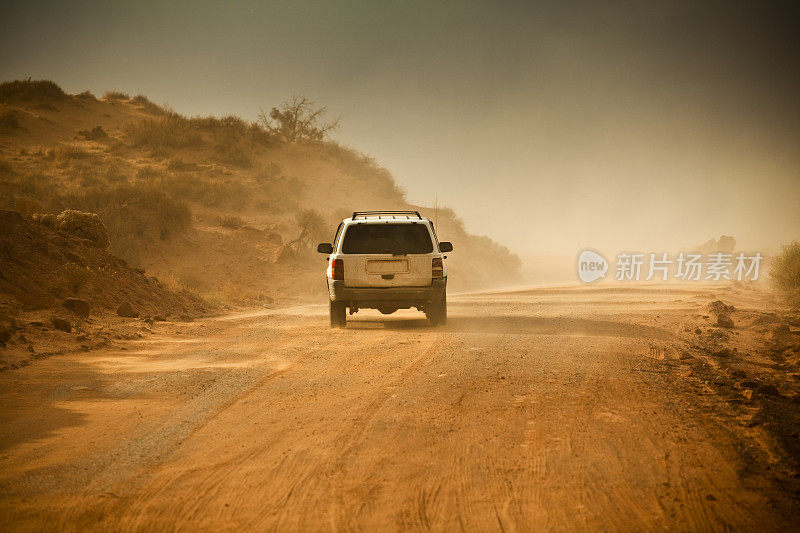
407, 296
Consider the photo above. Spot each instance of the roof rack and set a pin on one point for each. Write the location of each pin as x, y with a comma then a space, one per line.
392, 214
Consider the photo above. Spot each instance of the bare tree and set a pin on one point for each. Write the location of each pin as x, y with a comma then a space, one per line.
298, 121
312, 229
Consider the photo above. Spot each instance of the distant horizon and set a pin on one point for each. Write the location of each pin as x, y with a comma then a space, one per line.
549, 128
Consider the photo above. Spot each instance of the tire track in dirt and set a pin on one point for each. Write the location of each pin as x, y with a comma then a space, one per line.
227, 387
325, 477
220, 474
486, 424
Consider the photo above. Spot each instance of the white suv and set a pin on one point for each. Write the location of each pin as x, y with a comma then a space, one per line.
386, 260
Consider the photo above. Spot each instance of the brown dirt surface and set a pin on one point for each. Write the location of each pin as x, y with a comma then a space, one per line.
548, 409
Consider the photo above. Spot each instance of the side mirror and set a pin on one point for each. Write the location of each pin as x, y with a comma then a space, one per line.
325, 248
445, 246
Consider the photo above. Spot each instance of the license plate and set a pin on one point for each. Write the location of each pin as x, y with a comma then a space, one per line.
387, 266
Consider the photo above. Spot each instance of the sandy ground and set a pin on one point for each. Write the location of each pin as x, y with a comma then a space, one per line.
548, 409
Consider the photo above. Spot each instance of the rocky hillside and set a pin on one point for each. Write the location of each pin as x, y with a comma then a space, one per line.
61, 290
47, 261
224, 208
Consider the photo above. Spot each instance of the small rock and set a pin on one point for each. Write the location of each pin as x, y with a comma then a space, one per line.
724, 321
127, 310
782, 335
698, 331
769, 390
61, 324
7, 323
747, 394
93, 134
766, 318
78, 306
722, 352
720, 308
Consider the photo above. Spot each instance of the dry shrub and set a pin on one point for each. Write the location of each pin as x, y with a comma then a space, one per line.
46, 219
233, 149
31, 91
135, 214
785, 273
177, 164
148, 173
47, 154
9, 120
230, 138
209, 192
86, 95
158, 133
230, 221
95, 134
146, 105
84, 225
312, 229
113, 172
85, 177
30, 184
116, 95
75, 276
65, 154
173, 282
214, 300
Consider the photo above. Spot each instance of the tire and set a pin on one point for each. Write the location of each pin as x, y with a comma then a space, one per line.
338, 312
437, 312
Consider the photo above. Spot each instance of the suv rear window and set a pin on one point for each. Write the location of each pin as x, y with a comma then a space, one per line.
387, 239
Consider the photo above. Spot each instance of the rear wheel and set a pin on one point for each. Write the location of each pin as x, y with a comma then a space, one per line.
437, 312
338, 312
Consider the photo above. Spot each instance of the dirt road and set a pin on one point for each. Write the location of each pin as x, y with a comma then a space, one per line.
541, 409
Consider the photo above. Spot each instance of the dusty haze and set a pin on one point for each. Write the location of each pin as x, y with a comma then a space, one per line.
547, 127
174, 356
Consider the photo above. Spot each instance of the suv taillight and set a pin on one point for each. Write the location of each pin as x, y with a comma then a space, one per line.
437, 268
337, 269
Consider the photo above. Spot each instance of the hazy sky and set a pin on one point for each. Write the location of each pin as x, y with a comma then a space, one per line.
548, 126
